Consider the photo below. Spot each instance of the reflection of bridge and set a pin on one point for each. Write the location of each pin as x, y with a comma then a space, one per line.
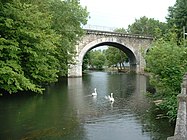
135, 46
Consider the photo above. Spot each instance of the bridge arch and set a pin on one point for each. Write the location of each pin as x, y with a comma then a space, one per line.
128, 50
131, 45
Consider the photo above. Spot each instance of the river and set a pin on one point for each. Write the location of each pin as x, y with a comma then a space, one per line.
67, 111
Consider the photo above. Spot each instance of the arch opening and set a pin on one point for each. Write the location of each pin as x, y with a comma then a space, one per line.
120, 66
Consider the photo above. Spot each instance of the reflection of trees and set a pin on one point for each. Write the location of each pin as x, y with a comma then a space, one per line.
132, 89
41, 117
122, 84
160, 128
61, 113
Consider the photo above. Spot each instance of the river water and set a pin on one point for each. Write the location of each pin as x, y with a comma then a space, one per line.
67, 111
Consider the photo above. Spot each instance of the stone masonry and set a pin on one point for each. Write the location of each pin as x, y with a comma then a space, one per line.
135, 46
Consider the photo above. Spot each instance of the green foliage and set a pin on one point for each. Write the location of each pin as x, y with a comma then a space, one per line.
26, 48
12, 77
110, 57
115, 57
86, 61
169, 105
120, 30
177, 17
67, 18
167, 63
97, 59
148, 27
33, 49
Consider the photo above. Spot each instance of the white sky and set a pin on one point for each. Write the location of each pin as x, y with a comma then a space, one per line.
121, 13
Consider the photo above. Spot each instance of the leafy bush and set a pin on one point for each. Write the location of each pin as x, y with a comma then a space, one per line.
167, 63
37, 40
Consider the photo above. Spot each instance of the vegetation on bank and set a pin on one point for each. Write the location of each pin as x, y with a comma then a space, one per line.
167, 63
167, 59
37, 40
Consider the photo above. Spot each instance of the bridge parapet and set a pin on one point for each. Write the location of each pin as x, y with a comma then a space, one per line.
98, 27
181, 122
118, 34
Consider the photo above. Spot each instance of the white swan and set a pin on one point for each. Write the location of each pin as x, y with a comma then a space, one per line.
110, 97
95, 92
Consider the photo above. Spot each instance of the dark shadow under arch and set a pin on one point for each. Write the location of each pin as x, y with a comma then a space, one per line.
126, 50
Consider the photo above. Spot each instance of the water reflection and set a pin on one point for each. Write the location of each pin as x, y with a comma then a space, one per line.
68, 111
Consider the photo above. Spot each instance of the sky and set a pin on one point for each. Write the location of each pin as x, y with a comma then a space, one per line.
121, 13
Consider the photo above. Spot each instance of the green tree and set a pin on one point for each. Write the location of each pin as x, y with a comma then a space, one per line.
34, 51
148, 27
115, 57
167, 63
120, 30
27, 48
86, 61
68, 16
97, 59
177, 17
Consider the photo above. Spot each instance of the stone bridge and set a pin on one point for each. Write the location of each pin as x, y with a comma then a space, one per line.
135, 47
